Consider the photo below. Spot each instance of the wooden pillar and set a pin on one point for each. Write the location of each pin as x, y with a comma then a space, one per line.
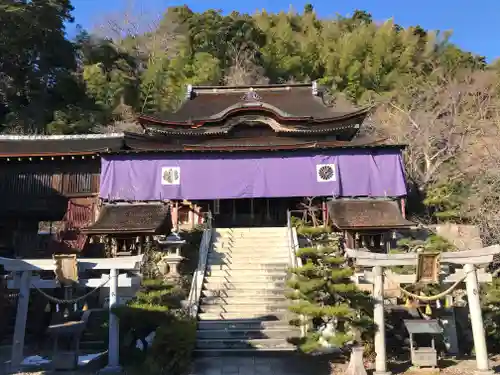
379, 318
472, 286
175, 216
268, 210
403, 207
191, 216
20, 327
234, 210
251, 209
324, 218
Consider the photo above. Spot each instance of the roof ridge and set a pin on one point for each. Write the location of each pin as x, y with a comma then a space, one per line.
59, 137
243, 87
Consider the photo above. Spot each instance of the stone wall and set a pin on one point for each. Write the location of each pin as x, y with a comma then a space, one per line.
464, 237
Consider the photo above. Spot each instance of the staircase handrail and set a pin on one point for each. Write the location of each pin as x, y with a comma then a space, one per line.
199, 273
293, 241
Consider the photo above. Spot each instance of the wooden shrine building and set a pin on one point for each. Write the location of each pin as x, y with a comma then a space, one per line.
48, 191
368, 223
248, 154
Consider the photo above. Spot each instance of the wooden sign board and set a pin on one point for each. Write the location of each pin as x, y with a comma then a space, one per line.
428, 267
66, 268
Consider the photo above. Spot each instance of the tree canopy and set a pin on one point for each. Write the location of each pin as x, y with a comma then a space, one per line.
439, 99
50, 84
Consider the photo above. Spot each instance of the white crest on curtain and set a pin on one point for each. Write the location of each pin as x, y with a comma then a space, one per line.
326, 173
171, 176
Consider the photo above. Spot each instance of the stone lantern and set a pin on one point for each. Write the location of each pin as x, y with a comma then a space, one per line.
171, 248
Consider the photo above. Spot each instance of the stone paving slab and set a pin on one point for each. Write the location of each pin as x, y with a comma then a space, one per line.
282, 365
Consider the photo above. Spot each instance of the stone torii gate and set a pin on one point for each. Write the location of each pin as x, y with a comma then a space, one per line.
428, 270
22, 270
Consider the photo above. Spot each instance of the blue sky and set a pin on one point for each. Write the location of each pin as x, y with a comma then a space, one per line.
474, 23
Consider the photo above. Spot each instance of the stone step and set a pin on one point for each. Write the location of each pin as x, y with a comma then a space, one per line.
241, 324
229, 285
261, 309
254, 236
244, 273
252, 229
243, 344
246, 258
238, 248
253, 252
236, 277
246, 315
246, 353
271, 333
245, 300
251, 235
257, 242
243, 293
254, 267
263, 256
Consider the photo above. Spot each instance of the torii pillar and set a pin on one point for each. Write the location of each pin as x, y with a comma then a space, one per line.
470, 259
24, 269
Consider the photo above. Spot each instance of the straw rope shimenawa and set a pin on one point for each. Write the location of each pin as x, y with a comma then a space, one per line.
423, 297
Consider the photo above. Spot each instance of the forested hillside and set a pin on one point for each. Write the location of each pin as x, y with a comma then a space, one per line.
442, 101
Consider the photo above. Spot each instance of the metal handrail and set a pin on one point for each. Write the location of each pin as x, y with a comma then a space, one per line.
199, 273
292, 241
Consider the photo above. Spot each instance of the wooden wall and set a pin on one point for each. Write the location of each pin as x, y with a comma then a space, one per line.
46, 178
36, 195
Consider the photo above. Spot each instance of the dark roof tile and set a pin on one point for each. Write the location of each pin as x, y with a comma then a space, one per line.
293, 101
366, 214
132, 218
59, 145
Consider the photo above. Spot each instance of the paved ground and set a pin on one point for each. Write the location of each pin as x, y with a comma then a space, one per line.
290, 366
261, 366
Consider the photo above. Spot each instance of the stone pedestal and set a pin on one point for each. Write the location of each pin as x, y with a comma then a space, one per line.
171, 246
172, 262
356, 365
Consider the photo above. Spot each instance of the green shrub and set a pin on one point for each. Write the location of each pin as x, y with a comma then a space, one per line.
172, 348
153, 306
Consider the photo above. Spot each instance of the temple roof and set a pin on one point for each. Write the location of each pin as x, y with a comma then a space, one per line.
299, 102
132, 218
366, 214
150, 143
52, 145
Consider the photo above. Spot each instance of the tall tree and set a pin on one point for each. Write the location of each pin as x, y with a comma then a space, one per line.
37, 62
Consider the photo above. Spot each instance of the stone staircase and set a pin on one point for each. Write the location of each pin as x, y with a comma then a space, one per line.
243, 307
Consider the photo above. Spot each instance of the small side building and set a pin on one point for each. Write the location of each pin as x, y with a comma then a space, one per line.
368, 223
49, 188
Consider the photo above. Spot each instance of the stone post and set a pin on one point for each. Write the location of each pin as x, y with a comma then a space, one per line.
20, 326
114, 333
378, 316
472, 285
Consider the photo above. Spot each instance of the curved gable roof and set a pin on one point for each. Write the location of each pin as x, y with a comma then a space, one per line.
293, 102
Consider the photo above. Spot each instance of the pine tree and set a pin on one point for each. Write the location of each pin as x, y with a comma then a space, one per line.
323, 293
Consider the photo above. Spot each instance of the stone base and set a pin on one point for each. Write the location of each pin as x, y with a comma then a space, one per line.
111, 370
356, 365
484, 372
